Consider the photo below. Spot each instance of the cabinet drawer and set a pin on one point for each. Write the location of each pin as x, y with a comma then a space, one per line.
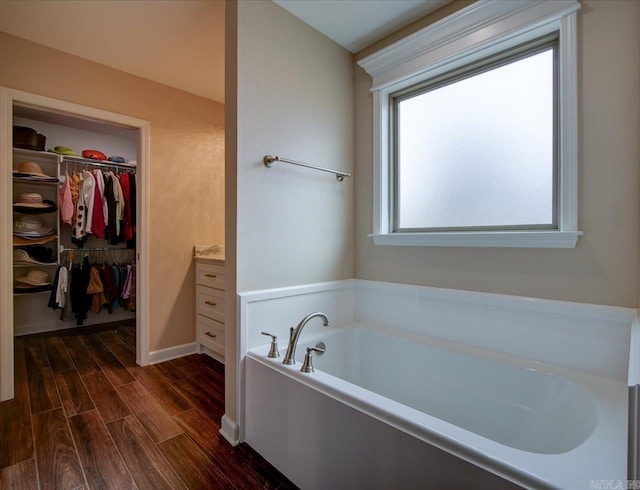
210, 333
210, 275
210, 303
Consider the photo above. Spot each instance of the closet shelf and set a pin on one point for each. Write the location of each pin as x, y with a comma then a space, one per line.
33, 153
36, 212
31, 294
18, 180
37, 266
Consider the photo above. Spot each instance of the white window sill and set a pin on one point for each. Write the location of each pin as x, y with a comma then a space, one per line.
511, 239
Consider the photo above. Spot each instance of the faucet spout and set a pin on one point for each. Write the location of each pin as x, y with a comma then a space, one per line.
294, 334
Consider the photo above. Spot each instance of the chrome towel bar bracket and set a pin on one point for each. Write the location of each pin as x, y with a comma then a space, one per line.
269, 160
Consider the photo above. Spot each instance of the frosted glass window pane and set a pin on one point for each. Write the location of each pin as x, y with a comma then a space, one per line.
480, 151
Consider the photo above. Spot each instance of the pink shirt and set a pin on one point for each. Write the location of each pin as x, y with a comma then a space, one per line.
66, 202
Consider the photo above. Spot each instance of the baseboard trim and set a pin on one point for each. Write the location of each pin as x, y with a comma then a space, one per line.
229, 430
203, 349
633, 451
55, 324
39, 328
169, 353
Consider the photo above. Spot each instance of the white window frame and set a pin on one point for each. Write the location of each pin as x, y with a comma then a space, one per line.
483, 29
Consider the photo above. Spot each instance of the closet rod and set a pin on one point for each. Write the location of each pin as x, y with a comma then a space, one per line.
269, 160
101, 163
99, 249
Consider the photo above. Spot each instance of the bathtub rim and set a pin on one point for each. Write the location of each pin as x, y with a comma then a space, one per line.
460, 442
513, 360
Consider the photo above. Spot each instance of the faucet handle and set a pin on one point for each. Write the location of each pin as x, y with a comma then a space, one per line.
273, 351
319, 348
307, 365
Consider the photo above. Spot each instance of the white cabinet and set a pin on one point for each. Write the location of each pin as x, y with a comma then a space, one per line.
210, 275
210, 308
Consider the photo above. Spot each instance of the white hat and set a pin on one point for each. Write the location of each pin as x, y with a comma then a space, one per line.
35, 278
28, 226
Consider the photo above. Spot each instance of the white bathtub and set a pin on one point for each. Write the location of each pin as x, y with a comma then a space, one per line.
383, 411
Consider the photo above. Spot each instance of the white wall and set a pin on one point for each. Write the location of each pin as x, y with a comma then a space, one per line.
603, 268
295, 99
290, 90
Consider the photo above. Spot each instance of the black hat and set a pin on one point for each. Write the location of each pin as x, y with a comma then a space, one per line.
40, 254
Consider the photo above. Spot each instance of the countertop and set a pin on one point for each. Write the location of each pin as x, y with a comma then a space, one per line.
211, 254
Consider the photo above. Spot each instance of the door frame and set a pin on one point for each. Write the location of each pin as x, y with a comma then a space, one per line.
7, 99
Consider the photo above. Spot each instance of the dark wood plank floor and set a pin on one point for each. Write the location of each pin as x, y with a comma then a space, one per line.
86, 416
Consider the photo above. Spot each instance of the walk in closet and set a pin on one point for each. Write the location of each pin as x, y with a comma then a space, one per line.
36, 240
74, 222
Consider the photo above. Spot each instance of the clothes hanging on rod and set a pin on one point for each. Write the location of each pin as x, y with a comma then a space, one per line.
80, 300
93, 281
99, 215
127, 227
65, 201
96, 200
84, 208
100, 203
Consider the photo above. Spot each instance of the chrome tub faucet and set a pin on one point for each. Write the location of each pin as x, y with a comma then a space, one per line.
294, 333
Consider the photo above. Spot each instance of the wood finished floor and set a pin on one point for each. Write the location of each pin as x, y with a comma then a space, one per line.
85, 416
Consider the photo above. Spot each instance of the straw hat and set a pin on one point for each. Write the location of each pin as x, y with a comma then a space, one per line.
19, 241
32, 202
32, 168
35, 278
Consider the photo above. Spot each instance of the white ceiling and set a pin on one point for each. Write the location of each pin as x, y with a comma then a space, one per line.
180, 43
355, 24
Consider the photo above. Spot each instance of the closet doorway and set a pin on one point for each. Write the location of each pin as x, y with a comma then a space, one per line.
16, 107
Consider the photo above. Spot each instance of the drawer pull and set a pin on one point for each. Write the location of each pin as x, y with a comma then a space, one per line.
210, 303
210, 275
209, 334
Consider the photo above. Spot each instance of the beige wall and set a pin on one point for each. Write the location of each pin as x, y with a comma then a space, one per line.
186, 176
603, 268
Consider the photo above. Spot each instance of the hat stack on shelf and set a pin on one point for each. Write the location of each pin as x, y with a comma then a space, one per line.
35, 254
32, 203
31, 227
31, 171
35, 281
29, 230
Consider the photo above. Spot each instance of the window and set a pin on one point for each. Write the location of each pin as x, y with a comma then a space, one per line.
475, 129
475, 149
